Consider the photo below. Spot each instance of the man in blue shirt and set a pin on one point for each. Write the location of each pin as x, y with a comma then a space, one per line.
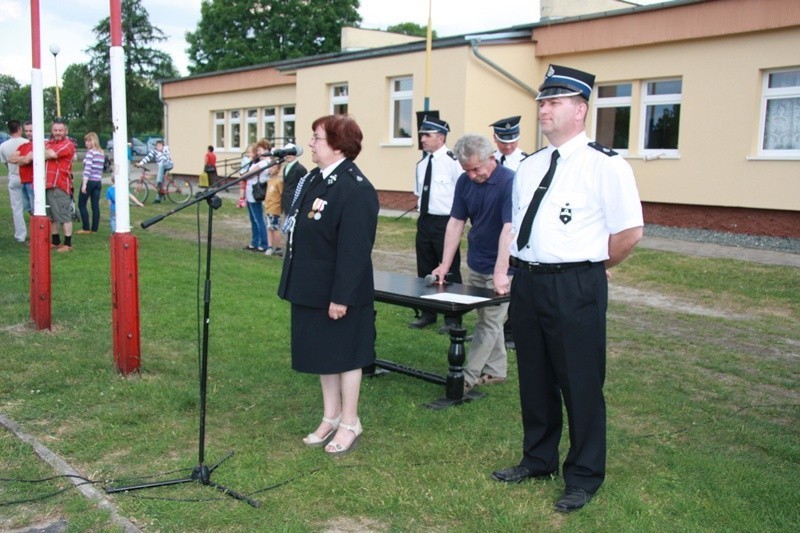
482, 195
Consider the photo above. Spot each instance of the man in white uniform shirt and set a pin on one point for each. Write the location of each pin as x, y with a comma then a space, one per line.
437, 174
506, 138
589, 218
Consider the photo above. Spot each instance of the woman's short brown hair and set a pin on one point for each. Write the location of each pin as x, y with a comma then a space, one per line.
342, 133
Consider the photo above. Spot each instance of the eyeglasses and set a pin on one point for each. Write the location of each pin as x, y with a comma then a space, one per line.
314, 138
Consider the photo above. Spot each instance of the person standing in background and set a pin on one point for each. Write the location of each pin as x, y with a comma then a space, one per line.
506, 138
436, 177
92, 183
15, 191
210, 166
58, 155
293, 170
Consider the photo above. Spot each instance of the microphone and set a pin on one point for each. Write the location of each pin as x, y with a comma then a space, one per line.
432, 279
290, 149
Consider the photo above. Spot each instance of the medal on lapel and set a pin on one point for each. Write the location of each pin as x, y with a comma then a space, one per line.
317, 208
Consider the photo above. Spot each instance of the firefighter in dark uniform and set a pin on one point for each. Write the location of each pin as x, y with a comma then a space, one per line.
327, 276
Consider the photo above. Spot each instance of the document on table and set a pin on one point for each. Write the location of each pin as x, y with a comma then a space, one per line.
455, 298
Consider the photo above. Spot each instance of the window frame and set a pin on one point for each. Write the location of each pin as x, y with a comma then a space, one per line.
234, 122
606, 102
287, 118
269, 118
219, 122
339, 100
776, 93
648, 100
250, 119
399, 96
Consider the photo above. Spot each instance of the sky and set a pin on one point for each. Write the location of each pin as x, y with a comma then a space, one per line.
69, 23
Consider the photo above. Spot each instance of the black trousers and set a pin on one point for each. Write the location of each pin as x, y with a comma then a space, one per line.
559, 326
430, 249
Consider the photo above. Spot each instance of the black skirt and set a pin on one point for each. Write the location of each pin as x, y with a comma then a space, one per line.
321, 345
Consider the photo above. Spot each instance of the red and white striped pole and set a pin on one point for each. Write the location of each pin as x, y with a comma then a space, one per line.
40, 288
124, 249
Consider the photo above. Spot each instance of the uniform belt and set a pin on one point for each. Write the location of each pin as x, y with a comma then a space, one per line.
548, 268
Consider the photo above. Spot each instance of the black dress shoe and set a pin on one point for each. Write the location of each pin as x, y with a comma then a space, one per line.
422, 321
519, 473
573, 499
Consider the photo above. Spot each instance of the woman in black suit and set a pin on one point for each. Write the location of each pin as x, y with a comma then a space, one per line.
327, 277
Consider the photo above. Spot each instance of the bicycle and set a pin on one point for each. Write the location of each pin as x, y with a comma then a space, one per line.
177, 190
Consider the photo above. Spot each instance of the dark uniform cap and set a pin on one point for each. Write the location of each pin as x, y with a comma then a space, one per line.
564, 81
506, 130
434, 125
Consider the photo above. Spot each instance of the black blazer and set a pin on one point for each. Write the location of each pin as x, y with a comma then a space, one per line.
330, 257
290, 180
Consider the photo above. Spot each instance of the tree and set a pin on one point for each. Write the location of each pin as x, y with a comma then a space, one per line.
144, 65
8, 87
239, 33
77, 96
411, 28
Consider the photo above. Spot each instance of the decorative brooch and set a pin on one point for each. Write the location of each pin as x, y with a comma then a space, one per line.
317, 208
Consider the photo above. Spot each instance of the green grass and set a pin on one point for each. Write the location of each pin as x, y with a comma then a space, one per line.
703, 409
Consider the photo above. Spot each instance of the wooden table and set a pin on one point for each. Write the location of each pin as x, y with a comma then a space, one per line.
411, 291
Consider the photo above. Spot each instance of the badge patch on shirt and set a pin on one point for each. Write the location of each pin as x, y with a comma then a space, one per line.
566, 214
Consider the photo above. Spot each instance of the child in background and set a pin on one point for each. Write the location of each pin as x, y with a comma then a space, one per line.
112, 205
272, 203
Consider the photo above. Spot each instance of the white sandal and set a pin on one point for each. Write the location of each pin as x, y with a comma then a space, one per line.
314, 441
335, 449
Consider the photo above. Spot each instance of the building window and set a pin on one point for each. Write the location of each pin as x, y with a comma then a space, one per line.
269, 124
661, 101
780, 112
287, 124
340, 96
251, 118
219, 129
401, 95
613, 116
235, 123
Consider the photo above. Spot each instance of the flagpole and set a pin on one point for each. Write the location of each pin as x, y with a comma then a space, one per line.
428, 47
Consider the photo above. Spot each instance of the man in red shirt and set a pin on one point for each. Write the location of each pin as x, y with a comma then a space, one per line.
58, 154
23, 157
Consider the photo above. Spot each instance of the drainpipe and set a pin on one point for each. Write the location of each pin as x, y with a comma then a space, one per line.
166, 113
525, 87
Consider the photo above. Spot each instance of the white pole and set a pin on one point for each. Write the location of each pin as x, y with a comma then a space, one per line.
119, 119
39, 131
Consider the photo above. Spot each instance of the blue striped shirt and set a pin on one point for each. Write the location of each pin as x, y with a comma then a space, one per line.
93, 165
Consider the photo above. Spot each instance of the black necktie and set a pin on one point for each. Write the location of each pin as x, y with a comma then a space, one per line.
426, 187
527, 221
502, 161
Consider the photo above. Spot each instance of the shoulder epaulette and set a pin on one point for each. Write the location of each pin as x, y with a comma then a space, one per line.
355, 175
526, 156
452, 155
600, 148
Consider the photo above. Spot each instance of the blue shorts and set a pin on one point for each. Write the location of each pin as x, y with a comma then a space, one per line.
273, 221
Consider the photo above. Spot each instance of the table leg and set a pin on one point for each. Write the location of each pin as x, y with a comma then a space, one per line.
454, 385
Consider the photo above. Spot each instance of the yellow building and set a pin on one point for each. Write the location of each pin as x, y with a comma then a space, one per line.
702, 97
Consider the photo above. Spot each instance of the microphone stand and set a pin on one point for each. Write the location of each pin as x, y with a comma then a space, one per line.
201, 473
